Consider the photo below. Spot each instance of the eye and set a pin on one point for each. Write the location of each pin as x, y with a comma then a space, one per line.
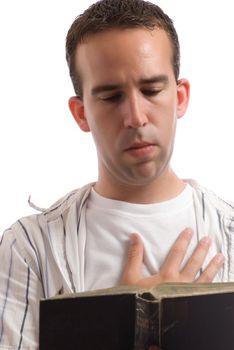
112, 98
150, 92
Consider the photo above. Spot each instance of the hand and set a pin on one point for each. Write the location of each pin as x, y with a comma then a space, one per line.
170, 270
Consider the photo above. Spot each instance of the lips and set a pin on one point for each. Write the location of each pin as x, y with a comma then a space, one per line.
138, 145
140, 149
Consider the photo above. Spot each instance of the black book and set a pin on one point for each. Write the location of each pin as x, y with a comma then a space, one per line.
172, 316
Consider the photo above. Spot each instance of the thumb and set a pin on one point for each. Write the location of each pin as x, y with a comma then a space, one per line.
133, 269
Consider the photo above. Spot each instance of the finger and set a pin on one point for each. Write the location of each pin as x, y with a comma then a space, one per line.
177, 252
133, 269
194, 264
212, 269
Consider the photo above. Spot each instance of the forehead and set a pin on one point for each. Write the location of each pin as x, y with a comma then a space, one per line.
128, 52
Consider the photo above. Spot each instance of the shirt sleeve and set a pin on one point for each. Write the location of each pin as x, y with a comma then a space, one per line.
20, 293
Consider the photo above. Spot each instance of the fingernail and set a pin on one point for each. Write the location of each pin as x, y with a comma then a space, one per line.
133, 239
219, 258
205, 240
188, 232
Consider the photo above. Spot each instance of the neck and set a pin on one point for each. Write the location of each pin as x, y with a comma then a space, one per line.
163, 188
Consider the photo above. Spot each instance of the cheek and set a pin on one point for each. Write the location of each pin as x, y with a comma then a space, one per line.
103, 136
167, 128
170, 137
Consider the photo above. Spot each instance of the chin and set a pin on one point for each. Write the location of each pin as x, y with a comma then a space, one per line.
142, 180
147, 175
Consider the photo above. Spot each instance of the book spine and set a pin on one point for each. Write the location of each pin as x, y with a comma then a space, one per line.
146, 323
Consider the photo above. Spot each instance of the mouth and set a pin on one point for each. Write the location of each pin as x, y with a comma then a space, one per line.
141, 149
139, 145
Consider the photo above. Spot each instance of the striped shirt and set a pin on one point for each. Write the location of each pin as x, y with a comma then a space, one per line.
43, 255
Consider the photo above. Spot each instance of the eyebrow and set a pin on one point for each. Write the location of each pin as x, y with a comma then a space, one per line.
102, 88
110, 87
162, 78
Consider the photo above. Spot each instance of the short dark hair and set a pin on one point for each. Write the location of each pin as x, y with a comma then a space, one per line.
118, 14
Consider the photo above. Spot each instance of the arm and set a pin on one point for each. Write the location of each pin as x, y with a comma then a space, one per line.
170, 270
20, 292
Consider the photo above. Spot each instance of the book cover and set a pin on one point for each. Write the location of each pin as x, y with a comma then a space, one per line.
172, 316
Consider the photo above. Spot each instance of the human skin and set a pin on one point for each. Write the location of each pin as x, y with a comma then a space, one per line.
170, 270
131, 103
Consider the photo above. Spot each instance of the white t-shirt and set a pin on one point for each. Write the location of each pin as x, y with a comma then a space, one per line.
109, 224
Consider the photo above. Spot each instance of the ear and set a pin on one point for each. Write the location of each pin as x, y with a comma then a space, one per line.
76, 106
183, 92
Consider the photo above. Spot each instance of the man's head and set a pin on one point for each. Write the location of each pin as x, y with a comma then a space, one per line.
131, 97
105, 15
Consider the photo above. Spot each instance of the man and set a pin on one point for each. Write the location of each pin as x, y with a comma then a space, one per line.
123, 57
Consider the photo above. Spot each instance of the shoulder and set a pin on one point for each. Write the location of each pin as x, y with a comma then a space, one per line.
29, 230
203, 194
76, 197
62, 205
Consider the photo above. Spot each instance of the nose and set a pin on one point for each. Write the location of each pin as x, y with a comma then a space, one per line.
134, 112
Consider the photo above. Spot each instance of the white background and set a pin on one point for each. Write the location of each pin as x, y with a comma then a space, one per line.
42, 151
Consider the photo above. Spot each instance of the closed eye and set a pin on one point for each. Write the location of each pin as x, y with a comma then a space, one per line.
112, 98
150, 92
